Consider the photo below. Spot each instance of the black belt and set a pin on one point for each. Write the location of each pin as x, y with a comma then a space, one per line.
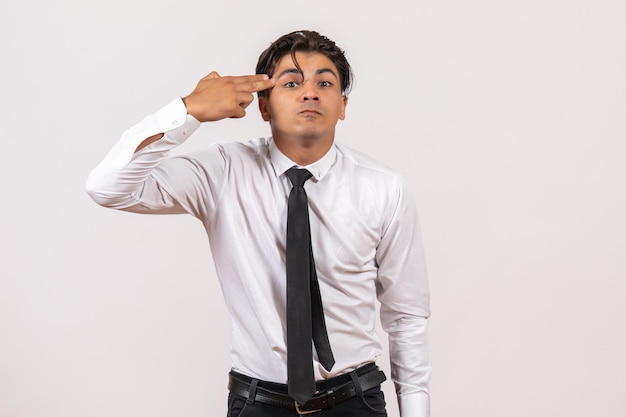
320, 401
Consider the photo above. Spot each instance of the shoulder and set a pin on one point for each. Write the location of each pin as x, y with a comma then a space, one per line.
369, 176
364, 164
247, 148
233, 152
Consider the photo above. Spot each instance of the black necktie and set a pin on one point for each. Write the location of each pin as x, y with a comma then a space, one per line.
305, 314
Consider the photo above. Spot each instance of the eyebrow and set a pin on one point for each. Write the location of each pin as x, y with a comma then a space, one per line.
297, 71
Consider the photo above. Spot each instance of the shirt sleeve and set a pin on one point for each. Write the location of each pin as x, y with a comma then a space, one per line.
147, 181
404, 295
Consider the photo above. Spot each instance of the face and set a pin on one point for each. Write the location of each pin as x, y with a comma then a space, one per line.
304, 107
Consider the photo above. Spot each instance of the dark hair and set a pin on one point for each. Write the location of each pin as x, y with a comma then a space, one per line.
305, 41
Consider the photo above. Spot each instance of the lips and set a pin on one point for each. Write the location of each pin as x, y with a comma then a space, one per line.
309, 111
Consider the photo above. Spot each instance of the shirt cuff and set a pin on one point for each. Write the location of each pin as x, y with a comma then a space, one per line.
416, 404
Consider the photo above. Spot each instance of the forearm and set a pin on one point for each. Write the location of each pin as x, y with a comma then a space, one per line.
404, 316
410, 365
125, 169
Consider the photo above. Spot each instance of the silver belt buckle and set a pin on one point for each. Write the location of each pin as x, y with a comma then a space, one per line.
300, 412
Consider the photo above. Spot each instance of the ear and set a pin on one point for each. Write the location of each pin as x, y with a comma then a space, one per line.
342, 114
264, 108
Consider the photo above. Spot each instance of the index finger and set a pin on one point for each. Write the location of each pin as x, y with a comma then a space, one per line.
254, 83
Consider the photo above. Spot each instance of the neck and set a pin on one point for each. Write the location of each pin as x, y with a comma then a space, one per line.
303, 152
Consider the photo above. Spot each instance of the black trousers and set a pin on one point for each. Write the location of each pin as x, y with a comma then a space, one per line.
370, 403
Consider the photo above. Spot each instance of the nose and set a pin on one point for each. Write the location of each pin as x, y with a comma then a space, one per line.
310, 92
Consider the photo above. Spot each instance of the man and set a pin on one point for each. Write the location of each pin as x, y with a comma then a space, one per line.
361, 239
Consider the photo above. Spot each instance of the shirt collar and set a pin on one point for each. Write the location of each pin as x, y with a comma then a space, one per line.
319, 168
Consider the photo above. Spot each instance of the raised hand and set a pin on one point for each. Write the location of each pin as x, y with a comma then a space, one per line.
216, 97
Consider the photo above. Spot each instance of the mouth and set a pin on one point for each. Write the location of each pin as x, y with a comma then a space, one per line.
309, 112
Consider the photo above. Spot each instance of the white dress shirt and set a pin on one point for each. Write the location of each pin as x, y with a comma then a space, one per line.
365, 236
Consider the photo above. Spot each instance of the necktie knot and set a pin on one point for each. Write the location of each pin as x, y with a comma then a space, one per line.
298, 176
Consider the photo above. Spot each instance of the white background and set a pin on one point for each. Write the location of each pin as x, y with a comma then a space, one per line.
509, 118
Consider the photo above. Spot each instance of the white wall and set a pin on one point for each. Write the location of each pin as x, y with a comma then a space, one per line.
509, 118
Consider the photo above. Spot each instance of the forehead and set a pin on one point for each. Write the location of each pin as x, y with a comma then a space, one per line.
308, 62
